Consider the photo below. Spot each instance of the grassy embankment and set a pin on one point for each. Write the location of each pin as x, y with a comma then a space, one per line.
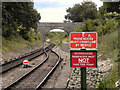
17, 43
107, 45
107, 48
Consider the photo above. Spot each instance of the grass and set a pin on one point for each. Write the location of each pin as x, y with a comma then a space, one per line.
108, 47
56, 37
17, 43
66, 40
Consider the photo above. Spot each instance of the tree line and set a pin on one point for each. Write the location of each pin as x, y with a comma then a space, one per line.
105, 20
19, 18
88, 10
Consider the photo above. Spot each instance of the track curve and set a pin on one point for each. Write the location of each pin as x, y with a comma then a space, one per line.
50, 69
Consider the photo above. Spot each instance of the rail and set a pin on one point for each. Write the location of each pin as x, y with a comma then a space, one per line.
30, 72
8, 87
12, 64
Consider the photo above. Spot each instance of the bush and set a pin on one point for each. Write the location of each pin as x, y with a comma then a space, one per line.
108, 45
101, 27
110, 26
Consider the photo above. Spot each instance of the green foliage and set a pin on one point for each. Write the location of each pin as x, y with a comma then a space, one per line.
108, 45
102, 84
10, 45
96, 25
17, 43
112, 15
56, 37
18, 18
39, 36
102, 11
110, 26
91, 25
79, 29
107, 8
106, 25
112, 6
108, 48
107, 35
80, 12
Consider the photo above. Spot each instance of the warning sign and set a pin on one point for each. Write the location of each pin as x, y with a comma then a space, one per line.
83, 40
83, 58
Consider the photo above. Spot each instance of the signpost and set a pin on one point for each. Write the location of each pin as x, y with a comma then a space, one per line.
83, 52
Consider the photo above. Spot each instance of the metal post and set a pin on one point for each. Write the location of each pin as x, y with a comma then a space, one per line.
83, 78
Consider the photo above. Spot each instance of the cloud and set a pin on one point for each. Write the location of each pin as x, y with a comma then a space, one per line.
45, 0
55, 10
48, 5
64, 2
98, 2
52, 14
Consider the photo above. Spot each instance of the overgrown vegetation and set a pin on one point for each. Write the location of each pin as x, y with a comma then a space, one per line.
56, 37
80, 12
17, 43
106, 24
18, 19
107, 45
19, 25
108, 48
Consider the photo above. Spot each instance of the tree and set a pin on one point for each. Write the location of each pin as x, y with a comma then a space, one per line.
18, 15
79, 12
108, 7
112, 6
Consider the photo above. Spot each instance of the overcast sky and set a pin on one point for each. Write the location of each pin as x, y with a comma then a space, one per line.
55, 10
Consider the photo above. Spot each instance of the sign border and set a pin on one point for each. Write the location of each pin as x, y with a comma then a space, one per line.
83, 50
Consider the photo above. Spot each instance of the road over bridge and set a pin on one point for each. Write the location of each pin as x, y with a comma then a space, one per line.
45, 27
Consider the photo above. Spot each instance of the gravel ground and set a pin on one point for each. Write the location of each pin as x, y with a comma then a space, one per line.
57, 80
31, 81
60, 77
14, 74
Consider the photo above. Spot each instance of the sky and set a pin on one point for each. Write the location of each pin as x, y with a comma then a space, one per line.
55, 10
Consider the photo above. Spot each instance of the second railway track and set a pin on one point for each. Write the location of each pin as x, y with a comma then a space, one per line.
35, 78
12, 64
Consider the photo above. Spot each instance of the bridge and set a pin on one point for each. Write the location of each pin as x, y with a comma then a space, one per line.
44, 27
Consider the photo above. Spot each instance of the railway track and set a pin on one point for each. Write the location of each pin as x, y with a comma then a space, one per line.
14, 63
34, 79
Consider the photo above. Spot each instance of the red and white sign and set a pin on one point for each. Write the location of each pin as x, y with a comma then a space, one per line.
83, 40
83, 59
25, 62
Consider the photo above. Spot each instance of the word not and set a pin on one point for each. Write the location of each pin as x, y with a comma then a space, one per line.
83, 60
